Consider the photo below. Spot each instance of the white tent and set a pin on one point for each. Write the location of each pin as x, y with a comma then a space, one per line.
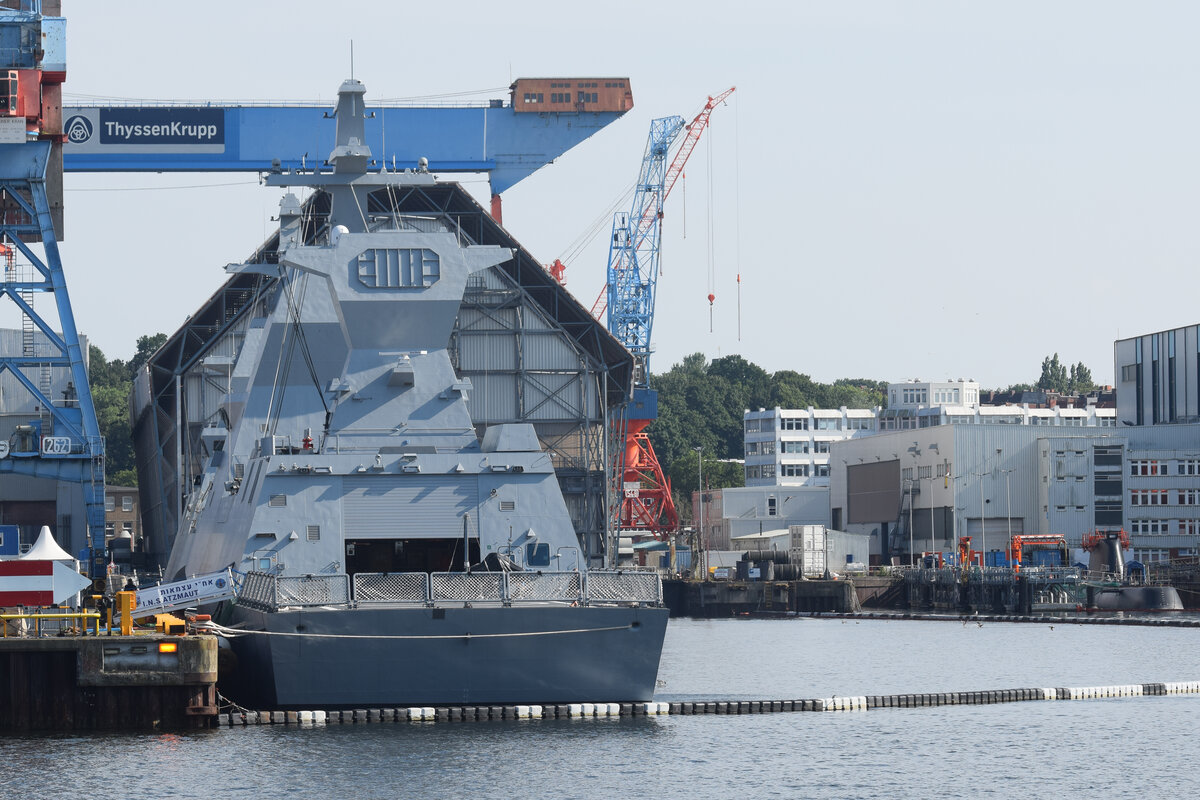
46, 549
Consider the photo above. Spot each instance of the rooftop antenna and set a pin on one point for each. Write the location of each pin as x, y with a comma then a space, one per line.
351, 59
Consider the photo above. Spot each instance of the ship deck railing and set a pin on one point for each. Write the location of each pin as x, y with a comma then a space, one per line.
267, 592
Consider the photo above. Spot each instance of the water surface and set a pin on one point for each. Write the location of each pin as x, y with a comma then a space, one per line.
1081, 748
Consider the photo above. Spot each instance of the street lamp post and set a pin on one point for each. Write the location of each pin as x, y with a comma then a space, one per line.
982, 522
912, 555
932, 540
697, 558
957, 525
1008, 503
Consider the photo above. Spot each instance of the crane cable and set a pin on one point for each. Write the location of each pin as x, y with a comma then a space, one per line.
737, 208
712, 263
593, 230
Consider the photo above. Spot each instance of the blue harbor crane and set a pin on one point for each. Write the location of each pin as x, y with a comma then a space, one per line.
633, 269
55, 435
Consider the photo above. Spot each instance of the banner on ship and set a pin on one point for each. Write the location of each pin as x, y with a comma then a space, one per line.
182, 594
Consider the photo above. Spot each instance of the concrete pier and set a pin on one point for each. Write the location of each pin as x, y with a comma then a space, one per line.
731, 598
711, 599
107, 682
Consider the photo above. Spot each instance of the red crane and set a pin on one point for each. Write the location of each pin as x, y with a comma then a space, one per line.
646, 500
652, 216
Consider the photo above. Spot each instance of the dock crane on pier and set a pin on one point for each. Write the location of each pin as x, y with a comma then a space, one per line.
645, 501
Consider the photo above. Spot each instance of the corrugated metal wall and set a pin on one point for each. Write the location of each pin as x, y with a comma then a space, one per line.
524, 368
405, 507
14, 397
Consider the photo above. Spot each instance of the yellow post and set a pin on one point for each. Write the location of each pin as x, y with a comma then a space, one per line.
98, 603
125, 604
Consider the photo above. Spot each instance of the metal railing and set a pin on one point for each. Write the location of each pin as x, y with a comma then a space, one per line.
313, 590
466, 586
621, 586
566, 586
391, 587
17, 624
266, 592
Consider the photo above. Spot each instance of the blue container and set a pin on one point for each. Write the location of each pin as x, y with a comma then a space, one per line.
10, 540
1046, 558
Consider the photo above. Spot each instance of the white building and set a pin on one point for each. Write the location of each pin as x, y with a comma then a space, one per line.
1090, 417
741, 511
914, 491
927, 404
906, 401
790, 447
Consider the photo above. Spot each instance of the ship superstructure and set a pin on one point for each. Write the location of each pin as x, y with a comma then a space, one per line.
390, 554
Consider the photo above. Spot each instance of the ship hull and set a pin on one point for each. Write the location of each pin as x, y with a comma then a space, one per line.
380, 657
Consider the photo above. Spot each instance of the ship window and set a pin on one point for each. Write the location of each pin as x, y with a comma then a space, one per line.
314, 533
277, 501
508, 505
239, 471
537, 554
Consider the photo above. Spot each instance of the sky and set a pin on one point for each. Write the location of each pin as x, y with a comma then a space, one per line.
908, 190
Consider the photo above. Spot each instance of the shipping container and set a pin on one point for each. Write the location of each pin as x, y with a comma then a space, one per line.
809, 548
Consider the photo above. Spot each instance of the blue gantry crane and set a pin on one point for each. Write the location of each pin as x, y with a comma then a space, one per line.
633, 269
508, 142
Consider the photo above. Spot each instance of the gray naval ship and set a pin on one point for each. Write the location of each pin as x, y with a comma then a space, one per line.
389, 556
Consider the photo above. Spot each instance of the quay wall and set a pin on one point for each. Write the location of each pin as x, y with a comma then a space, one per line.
714, 599
107, 682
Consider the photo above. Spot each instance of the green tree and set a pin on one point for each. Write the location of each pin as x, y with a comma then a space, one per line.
102, 372
125, 477
856, 393
111, 383
146, 346
790, 389
702, 404
1054, 375
746, 381
684, 476
1081, 379
111, 386
1058, 377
